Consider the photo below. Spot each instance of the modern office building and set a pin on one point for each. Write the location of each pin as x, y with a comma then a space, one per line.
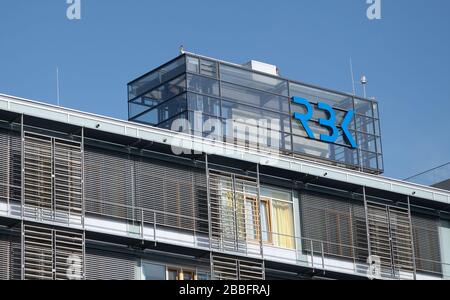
223, 171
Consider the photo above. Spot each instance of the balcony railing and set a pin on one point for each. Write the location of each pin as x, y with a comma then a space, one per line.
153, 225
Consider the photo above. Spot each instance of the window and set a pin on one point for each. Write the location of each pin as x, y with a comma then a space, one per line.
277, 218
180, 274
155, 78
253, 80
153, 272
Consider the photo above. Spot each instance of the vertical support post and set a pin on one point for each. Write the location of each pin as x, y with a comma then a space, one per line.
53, 181
83, 202
22, 250
154, 226
412, 240
258, 209
263, 270
236, 221
142, 224
22, 166
83, 195
208, 199
22, 196
366, 212
8, 176
211, 264
323, 256
312, 254
84, 255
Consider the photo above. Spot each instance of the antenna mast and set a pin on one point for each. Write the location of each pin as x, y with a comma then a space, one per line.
57, 86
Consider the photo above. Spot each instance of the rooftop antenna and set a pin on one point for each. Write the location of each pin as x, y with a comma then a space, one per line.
57, 86
364, 83
353, 76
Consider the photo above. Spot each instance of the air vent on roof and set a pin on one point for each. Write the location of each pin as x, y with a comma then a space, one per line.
262, 67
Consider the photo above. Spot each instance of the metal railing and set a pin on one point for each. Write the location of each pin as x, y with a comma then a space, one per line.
315, 254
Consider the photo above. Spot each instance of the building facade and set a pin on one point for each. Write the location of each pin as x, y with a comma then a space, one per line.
90, 197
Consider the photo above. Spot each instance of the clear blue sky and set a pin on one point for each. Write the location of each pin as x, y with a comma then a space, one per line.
406, 55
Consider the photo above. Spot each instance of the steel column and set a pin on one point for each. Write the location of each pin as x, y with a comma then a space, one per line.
412, 240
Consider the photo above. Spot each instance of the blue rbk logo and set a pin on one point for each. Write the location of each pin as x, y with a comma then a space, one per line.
329, 123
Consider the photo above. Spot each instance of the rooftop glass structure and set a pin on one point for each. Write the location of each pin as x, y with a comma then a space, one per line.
193, 87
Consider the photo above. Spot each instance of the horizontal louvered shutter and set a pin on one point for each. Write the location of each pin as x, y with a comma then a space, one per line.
427, 244
4, 258
104, 265
68, 177
178, 193
334, 222
10, 166
233, 268
108, 183
38, 175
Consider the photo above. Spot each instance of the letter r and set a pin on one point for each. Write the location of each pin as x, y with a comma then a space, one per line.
304, 118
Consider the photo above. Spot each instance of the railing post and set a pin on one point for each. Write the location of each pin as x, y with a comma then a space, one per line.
412, 241
142, 224
154, 226
323, 256
312, 254
208, 199
258, 203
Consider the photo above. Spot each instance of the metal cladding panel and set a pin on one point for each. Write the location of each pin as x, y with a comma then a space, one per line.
10, 258
52, 254
231, 227
4, 258
336, 223
68, 176
233, 268
427, 244
390, 239
10, 165
53, 176
105, 265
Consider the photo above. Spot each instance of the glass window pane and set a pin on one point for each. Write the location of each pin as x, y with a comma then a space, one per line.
314, 95
363, 107
367, 142
370, 160
253, 80
193, 64
365, 124
166, 91
255, 98
156, 78
380, 162
265, 227
164, 111
179, 123
153, 272
136, 107
205, 104
236, 111
377, 128
208, 68
203, 85
172, 275
283, 225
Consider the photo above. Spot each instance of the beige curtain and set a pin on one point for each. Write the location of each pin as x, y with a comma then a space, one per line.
283, 224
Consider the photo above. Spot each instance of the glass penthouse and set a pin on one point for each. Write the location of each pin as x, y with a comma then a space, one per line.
84, 196
222, 91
